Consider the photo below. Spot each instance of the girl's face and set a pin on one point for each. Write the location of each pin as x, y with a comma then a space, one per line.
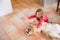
39, 14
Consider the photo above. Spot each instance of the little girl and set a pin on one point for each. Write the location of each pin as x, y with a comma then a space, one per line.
40, 17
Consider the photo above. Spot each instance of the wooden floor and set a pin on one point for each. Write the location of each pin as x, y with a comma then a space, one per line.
20, 4
12, 26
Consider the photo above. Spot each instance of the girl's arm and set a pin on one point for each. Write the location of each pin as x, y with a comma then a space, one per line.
31, 16
45, 18
40, 23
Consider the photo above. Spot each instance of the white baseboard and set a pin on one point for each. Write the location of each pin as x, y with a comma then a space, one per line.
54, 5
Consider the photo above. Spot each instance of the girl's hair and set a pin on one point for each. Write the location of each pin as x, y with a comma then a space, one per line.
39, 10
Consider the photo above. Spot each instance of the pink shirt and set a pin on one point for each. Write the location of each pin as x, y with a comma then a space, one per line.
45, 19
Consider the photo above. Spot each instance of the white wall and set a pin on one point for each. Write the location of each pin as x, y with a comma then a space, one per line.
49, 2
5, 7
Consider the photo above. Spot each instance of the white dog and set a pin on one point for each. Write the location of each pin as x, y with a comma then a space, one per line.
53, 30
